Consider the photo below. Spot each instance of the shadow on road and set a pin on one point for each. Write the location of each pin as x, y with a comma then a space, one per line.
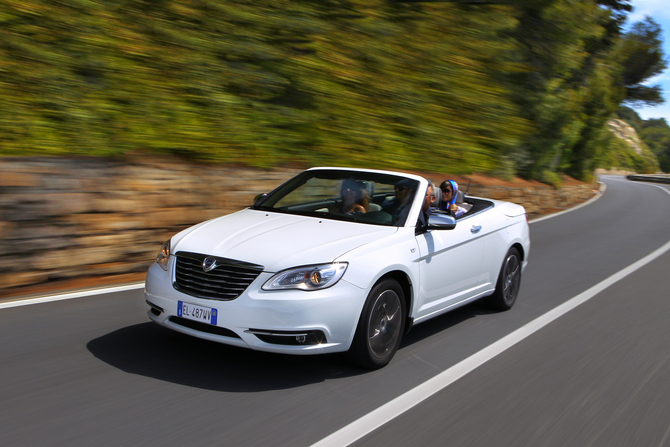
149, 350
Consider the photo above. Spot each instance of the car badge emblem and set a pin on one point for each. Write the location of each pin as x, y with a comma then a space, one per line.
209, 264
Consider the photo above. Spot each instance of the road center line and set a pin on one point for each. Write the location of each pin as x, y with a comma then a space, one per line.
371, 421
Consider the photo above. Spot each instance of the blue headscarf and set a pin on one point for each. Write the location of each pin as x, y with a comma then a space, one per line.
454, 187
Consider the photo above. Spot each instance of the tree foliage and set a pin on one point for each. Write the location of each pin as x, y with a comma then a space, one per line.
642, 59
518, 87
654, 133
569, 87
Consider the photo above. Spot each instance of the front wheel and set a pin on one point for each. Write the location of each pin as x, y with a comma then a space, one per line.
509, 281
380, 326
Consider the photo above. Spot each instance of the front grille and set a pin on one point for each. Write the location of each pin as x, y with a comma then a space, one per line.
225, 282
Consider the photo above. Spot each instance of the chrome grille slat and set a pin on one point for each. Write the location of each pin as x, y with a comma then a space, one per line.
203, 275
196, 278
220, 270
226, 282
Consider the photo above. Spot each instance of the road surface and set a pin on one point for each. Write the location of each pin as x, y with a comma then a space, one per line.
93, 371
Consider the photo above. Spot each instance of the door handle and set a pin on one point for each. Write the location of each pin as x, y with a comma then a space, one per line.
475, 229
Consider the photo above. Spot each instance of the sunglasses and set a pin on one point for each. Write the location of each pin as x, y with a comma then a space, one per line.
401, 188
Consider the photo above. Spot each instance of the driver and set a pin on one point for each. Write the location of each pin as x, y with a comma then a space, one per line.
396, 205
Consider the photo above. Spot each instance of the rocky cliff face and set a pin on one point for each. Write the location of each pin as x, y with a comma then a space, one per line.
627, 133
65, 218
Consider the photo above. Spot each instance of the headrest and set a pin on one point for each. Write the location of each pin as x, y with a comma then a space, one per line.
460, 197
437, 196
405, 183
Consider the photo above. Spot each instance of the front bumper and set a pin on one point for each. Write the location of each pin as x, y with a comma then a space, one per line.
334, 312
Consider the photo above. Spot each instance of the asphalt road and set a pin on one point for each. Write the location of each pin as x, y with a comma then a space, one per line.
94, 371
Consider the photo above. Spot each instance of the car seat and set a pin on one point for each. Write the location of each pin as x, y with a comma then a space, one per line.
460, 197
370, 189
437, 197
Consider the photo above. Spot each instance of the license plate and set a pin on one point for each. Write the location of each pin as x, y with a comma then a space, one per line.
196, 313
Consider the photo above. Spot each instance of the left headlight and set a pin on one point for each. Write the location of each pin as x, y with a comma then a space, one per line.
164, 255
311, 277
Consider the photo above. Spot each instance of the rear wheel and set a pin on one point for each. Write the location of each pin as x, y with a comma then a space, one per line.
380, 326
509, 281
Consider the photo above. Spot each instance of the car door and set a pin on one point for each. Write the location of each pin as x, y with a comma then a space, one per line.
449, 266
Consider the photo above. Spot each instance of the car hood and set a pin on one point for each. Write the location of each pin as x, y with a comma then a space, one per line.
278, 241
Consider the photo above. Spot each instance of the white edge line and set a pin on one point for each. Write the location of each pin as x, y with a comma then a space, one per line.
389, 411
371, 421
69, 296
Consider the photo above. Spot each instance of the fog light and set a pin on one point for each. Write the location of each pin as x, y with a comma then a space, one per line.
289, 338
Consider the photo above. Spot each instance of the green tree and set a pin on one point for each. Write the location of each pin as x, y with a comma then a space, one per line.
642, 58
656, 133
630, 116
568, 89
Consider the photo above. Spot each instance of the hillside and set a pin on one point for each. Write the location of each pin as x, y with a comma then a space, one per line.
520, 88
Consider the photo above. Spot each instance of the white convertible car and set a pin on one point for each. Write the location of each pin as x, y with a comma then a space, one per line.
335, 260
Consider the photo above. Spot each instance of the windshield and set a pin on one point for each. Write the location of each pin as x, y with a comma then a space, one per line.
366, 197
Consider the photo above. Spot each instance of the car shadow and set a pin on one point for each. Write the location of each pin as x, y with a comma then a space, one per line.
152, 351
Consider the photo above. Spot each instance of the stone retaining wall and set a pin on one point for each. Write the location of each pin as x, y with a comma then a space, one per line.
66, 218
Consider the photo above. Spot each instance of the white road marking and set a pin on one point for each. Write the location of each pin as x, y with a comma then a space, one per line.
371, 421
69, 296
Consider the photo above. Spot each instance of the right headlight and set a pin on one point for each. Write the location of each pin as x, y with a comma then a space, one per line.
164, 255
312, 277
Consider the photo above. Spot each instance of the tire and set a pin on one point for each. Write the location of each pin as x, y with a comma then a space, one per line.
380, 326
509, 281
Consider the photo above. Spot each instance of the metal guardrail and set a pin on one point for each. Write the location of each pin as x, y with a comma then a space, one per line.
656, 178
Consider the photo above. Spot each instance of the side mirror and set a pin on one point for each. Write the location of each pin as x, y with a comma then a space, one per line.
441, 221
259, 198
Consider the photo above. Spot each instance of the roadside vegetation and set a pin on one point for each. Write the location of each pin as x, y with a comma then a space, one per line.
518, 88
654, 132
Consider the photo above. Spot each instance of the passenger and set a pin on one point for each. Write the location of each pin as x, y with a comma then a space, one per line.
449, 196
425, 206
354, 198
